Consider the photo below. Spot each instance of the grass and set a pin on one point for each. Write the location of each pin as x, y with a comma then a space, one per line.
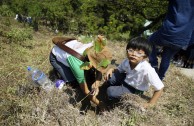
22, 104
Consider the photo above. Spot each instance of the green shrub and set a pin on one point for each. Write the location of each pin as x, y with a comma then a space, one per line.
5, 11
19, 34
85, 38
119, 36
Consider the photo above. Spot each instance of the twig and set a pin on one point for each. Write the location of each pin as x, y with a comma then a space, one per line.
10, 73
44, 61
85, 96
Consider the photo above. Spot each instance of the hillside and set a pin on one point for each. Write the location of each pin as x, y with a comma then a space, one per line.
22, 104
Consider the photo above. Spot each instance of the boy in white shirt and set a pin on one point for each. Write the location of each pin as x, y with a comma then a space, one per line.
134, 75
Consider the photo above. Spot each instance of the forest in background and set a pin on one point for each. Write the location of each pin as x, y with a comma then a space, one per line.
117, 19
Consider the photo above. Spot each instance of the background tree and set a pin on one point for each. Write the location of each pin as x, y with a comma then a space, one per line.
116, 19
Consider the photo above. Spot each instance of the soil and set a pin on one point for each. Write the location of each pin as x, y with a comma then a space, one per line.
187, 72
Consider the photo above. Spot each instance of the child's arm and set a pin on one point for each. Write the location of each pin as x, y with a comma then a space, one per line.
86, 91
154, 98
109, 73
92, 98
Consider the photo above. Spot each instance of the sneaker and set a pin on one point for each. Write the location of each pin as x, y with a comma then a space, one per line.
180, 63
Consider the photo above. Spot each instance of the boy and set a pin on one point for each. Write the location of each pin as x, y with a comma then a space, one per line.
134, 74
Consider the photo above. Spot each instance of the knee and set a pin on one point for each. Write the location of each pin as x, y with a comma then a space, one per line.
110, 92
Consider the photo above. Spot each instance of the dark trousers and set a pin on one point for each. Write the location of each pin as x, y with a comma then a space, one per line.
118, 87
168, 52
63, 70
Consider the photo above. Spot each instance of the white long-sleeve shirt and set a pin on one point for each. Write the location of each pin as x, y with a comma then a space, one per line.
61, 55
142, 76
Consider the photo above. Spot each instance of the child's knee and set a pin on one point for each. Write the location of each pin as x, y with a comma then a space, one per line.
111, 92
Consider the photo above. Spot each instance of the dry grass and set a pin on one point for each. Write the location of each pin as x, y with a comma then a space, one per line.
21, 104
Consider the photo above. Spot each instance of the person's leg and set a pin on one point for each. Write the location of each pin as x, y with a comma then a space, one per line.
115, 92
116, 79
63, 70
191, 58
116, 88
167, 54
154, 39
153, 58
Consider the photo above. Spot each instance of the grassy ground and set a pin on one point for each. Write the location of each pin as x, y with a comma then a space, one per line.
22, 104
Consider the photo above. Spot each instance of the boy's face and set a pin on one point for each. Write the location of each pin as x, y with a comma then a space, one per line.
135, 56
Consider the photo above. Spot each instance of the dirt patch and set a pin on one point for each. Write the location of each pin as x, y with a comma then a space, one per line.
187, 72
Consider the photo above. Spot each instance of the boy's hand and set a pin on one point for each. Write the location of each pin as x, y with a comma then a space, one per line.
108, 74
95, 85
94, 91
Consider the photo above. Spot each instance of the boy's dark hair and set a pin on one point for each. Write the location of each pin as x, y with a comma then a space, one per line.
140, 43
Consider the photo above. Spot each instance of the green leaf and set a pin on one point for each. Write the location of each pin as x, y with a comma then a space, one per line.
104, 63
85, 66
97, 46
85, 39
104, 42
84, 53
